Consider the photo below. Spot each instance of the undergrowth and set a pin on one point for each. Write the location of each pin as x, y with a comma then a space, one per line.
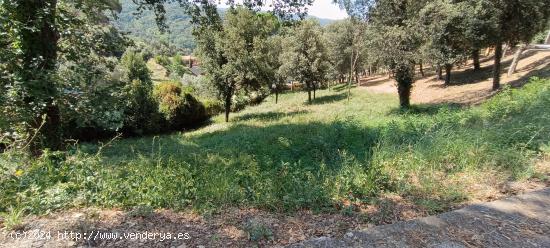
293, 155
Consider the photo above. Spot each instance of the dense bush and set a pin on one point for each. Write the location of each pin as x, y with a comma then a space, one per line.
178, 107
91, 111
122, 99
243, 99
540, 38
141, 109
213, 107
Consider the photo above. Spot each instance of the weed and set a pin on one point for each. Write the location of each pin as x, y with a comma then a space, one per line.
141, 212
13, 219
291, 156
257, 231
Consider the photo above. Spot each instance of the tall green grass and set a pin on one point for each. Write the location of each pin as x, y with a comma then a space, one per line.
295, 155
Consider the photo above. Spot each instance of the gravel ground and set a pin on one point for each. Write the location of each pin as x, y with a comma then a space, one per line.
520, 221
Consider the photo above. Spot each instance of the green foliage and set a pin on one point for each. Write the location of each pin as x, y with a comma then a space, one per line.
234, 53
13, 219
444, 24
275, 158
212, 107
347, 46
396, 41
519, 21
258, 231
140, 110
304, 58
91, 111
164, 61
175, 67
179, 108
178, 68
540, 38
144, 27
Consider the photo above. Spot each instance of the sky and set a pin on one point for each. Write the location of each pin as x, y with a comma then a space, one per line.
326, 9
320, 8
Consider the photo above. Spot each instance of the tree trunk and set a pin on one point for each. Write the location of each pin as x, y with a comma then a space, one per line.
547, 40
356, 77
515, 62
228, 97
404, 75
496, 66
276, 95
314, 90
308, 87
504, 51
421, 69
448, 71
475, 58
439, 72
39, 46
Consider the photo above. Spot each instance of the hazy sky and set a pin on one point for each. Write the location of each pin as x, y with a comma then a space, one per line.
326, 9
320, 8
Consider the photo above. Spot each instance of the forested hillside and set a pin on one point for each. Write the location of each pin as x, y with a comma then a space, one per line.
143, 26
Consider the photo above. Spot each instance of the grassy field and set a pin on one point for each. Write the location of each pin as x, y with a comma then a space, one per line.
292, 155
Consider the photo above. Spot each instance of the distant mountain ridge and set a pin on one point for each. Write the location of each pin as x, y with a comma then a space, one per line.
143, 26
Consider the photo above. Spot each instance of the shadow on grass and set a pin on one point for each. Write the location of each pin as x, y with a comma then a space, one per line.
426, 109
269, 116
313, 165
343, 87
329, 99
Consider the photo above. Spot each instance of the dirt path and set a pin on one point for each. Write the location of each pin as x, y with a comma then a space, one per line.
467, 87
521, 221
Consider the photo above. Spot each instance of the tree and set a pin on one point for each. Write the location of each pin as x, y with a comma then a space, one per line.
346, 48
443, 25
34, 29
480, 23
31, 30
517, 21
396, 41
339, 39
305, 58
234, 53
275, 77
141, 109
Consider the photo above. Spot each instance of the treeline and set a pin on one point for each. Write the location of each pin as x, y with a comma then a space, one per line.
403, 33
248, 51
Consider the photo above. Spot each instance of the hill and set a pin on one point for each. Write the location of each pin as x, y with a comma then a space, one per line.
143, 27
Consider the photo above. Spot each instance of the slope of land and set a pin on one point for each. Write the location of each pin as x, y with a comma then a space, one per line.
278, 174
467, 86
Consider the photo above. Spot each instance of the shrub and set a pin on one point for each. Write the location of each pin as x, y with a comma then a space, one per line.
162, 60
180, 109
202, 87
13, 219
141, 112
91, 110
213, 107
